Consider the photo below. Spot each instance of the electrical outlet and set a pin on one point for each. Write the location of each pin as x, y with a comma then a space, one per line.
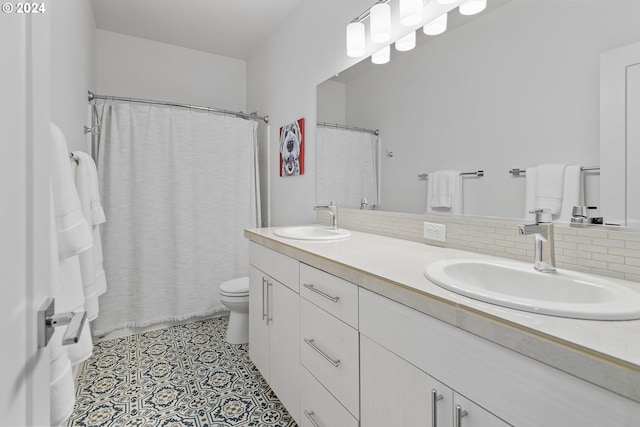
434, 231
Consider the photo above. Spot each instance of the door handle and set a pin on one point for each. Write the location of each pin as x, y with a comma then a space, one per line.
48, 322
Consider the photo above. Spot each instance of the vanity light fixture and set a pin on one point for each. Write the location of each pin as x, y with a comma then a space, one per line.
355, 39
410, 12
471, 7
437, 26
382, 56
407, 42
411, 15
380, 20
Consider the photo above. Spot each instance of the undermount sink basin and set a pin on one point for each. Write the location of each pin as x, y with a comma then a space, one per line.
312, 232
517, 285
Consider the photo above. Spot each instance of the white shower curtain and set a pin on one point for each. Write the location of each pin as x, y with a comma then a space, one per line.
178, 188
347, 165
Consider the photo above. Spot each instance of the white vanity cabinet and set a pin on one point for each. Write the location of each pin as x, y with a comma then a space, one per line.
494, 385
274, 322
329, 350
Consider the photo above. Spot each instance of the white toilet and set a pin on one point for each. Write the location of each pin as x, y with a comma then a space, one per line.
234, 294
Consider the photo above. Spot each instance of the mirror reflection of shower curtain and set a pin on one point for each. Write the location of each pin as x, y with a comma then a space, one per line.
346, 166
178, 188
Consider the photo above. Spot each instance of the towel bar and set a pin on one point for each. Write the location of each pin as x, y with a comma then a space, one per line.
476, 173
522, 172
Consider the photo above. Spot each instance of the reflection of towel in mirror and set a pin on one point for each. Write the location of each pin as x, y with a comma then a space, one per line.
571, 194
444, 192
550, 187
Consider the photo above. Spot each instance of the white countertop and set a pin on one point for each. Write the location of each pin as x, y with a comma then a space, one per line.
605, 353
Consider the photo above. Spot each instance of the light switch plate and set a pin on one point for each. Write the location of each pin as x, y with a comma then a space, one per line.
437, 232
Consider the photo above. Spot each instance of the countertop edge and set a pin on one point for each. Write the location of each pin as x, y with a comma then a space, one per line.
603, 370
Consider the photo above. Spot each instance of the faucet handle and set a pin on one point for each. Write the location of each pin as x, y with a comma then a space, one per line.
542, 215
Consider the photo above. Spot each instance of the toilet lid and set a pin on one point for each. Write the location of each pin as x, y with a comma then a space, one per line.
237, 286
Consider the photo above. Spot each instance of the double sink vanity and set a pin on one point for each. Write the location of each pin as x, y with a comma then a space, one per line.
357, 329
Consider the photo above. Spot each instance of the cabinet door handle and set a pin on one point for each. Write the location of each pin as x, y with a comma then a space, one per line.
459, 414
264, 312
310, 415
435, 397
311, 287
335, 363
269, 318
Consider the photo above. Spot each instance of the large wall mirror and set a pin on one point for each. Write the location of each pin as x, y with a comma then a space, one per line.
515, 87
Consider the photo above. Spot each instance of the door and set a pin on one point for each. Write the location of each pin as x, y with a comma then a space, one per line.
24, 216
258, 328
620, 135
396, 393
468, 414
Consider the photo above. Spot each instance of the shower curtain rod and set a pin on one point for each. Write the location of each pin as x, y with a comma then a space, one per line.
335, 125
249, 116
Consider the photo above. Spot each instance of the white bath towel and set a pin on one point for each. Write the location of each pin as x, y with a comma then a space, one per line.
61, 386
444, 192
572, 193
74, 234
73, 237
97, 218
550, 187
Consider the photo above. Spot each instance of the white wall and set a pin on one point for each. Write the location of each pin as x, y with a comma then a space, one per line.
529, 108
514, 88
73, 67
140, 68
332, 102
282, 74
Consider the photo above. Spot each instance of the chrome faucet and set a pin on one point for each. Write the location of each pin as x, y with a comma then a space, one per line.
545, 259
332, 208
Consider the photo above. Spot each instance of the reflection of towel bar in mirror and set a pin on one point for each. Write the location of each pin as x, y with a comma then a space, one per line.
476, 173
523, 172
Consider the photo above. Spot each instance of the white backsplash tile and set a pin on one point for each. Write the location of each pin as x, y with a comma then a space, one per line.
604, 252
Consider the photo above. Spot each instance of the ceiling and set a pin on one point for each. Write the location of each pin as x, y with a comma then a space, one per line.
230, 28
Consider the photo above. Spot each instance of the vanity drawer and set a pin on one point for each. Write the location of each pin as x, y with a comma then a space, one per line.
329, 349
331, 293
282, 268
319, 405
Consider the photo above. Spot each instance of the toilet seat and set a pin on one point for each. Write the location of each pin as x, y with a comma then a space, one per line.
235, 288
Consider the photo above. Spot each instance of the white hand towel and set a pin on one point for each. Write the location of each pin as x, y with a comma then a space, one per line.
573, 194
446, 186
531, 175
550, 187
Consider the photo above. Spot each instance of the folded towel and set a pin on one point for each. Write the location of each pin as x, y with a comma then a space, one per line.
573, 194
550, 187
531, 175
444, 188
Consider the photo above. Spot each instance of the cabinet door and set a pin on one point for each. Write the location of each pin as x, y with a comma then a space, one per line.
468, 414
395, 393
258, 328
284, 363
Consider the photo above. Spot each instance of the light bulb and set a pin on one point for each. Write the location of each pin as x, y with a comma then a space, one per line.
437, 26
410, 12
380, 15
355, 39
407, 42
382, 56
471, 7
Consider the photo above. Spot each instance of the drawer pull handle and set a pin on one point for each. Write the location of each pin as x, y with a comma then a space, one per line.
459, 414
310, 415
319, 292
264, 312
335, 363
435, 397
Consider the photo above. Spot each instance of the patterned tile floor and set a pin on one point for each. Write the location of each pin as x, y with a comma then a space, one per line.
182, 376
